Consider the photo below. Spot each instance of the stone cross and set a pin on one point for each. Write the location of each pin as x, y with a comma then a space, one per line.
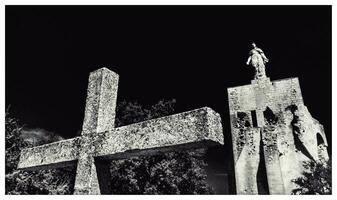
100, 141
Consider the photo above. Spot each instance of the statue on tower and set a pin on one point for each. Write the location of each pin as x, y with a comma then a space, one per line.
258, 60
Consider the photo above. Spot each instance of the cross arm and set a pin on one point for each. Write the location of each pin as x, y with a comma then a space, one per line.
195, 128
51, 155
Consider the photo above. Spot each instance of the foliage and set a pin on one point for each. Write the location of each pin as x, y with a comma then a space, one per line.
13, 142
133, 112
316, 178
169, 173
55, 181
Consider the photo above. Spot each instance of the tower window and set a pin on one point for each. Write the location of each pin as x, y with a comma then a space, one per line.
254, 119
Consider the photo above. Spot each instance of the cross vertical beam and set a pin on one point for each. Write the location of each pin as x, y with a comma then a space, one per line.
86, 181
101, 102
99, 117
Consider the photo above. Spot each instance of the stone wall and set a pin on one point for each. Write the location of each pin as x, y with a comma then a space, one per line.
289, 134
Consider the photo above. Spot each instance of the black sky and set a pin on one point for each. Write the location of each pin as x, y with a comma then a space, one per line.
190, 53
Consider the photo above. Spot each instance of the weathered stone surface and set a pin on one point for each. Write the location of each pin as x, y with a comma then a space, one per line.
184, 128
101, 102
86, 180
194, 129
290, 135
55, 154
248, 160
189, 127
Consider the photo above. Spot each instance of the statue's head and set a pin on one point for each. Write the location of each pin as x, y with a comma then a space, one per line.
253, 45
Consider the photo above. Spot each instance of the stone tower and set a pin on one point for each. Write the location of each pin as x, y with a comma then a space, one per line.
272, 134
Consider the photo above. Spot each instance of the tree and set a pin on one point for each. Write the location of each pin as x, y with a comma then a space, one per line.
169, 173
133, 112
316, 178
56, 181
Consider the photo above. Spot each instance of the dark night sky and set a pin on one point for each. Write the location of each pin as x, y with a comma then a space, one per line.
189, 53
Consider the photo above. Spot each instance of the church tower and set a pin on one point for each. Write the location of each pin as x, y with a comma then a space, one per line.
272, 133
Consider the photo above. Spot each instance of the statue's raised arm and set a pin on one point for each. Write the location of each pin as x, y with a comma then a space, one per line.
258, 60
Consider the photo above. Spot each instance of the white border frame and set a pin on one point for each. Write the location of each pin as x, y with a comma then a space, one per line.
158, 2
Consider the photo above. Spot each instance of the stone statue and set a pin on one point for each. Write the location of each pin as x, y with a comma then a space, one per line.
258, 60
